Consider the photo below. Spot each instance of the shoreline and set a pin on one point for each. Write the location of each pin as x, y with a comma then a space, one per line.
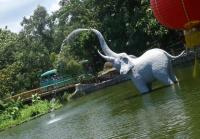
29, 118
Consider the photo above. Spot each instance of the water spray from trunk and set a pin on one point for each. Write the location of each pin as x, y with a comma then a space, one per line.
102, 41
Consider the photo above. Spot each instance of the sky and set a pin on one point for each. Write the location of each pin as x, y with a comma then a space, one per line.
13, 11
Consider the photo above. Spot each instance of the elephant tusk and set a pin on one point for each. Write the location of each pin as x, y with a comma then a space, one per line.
108, 58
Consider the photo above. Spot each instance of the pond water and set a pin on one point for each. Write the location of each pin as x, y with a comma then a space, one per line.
119, 112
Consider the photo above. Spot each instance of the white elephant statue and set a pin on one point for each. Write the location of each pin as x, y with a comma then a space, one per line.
153, 64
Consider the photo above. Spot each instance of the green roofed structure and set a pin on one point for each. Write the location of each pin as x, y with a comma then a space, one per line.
49, 73
51, 78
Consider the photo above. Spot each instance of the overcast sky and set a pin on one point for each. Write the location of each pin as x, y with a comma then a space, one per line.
13, 11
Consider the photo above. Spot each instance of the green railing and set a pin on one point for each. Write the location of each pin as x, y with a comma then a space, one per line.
58, 83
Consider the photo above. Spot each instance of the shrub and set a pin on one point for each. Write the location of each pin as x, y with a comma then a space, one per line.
13, 112
35, 98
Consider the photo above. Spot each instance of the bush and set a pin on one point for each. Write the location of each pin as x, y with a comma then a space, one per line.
68, 65
35, 98
16, 113
12, 108
13, 112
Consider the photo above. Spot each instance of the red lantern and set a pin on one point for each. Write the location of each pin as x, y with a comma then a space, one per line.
177, 14
181, 14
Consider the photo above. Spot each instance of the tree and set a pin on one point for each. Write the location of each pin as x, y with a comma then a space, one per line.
7, 47
39, 27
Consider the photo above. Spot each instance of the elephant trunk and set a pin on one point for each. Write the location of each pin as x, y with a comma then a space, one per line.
104, 46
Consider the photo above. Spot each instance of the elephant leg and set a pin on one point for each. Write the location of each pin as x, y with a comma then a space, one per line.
172, 75
149, 86
164, 78
141, 86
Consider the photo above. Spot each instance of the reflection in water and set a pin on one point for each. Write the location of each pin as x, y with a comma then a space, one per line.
156, 119
116, 112
54, 120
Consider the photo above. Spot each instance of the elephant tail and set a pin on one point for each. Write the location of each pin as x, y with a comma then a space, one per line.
175, 57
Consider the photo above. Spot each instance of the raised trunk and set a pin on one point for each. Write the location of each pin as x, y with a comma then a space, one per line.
102, 41
103, 44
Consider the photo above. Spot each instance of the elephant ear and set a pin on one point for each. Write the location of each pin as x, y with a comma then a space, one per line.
126, 66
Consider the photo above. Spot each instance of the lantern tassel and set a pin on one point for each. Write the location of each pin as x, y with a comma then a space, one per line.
196, 70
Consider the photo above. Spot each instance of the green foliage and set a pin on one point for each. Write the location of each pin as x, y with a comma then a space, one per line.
11, 109
7, 79
35, 98
66, 64
65, 97
2, 106
7, 48
85, 77
53, 104
24, 56
13, 112
15, 115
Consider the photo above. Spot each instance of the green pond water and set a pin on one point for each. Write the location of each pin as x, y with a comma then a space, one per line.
119, 112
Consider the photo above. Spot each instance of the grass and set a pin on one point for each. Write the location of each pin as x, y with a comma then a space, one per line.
27, 113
